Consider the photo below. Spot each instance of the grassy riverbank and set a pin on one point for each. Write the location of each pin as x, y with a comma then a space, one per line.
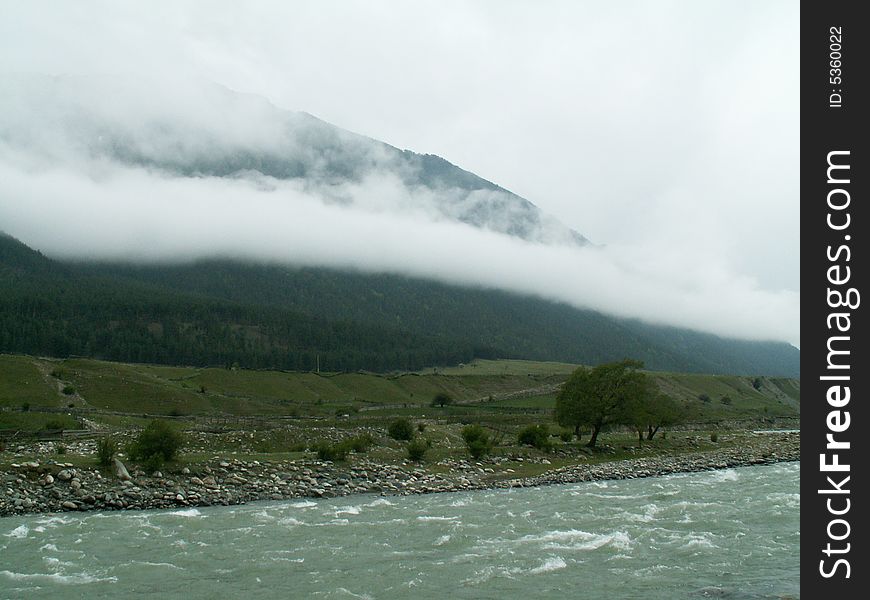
270, 424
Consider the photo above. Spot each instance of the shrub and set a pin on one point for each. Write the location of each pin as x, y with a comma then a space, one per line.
157, 443
68, 390
477, 440
473, 432
360, 443
703, 398
333, 452
756, 383
537, 436
106, 449
52, 424
421, 427
714, 437
726, 400
417, 449
478, 448
25, 407
401, 429
59, 449
566, 435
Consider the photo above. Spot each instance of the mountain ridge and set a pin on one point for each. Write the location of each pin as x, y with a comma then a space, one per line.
219, 312
234, 134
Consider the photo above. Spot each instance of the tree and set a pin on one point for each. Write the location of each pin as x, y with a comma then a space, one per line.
664, 412
441, 399
600, 396
649, 411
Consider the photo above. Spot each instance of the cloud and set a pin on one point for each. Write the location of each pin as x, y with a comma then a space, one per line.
665, 130
132, 214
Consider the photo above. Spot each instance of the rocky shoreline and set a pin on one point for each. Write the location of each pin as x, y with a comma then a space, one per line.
49, 486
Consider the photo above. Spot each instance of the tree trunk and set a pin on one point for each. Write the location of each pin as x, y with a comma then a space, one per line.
640, 436
594, 438
577, 432
651, 432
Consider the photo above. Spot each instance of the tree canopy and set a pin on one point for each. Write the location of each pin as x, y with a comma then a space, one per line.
605, 395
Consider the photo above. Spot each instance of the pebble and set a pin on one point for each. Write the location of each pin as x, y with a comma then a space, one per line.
222, 485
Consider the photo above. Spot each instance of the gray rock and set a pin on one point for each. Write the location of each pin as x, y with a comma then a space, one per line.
64, 475
120, 470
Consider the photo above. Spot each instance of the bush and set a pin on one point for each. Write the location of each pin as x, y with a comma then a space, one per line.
473, 432
566, 435
417, 449
360, 443
401, 429
59, 448
714, 437
333, 452
106, 449
157, 443
703, 398
25, 407
477, 440
421, 427
68, 390
536, 436
53, 424
479, 448
726, 400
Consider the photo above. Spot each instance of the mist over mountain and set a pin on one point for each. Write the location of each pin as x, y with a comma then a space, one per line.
121, 169
200, 130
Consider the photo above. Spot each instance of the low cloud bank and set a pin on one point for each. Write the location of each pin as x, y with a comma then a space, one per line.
114, 212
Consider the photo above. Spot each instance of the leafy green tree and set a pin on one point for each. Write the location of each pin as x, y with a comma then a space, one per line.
649, 411
600, 397
663, 412
441, 399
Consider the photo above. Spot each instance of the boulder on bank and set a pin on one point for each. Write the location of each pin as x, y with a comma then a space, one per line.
120, 470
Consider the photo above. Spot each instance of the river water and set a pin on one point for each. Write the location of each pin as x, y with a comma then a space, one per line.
727, 534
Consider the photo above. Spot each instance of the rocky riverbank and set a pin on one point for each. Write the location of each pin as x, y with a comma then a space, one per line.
49, 486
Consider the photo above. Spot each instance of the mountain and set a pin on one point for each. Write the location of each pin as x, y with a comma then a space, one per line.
221, 312
204, 130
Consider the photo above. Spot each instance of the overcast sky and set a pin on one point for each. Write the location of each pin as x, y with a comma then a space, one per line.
666, 131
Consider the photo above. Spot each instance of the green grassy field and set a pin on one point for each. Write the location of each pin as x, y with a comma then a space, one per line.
508, 390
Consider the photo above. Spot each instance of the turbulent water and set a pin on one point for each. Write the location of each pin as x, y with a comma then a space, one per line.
728, 534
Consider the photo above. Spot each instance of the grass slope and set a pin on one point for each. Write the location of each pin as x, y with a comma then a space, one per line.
480, 388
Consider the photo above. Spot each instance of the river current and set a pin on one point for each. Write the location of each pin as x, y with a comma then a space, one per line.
731, 534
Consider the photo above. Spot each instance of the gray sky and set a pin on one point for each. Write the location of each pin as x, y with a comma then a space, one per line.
667, 131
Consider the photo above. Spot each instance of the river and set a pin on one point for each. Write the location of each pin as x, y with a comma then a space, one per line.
732, 534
